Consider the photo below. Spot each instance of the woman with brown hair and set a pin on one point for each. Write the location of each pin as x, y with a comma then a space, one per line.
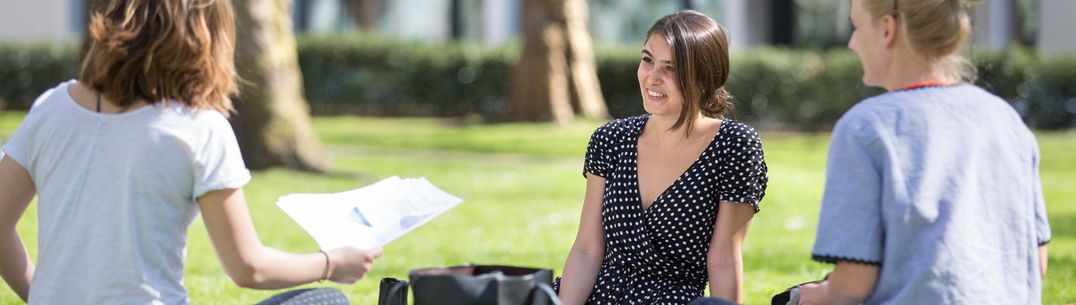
669, 193
123, 160
932, 190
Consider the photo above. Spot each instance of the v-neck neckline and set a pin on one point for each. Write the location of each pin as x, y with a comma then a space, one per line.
638, 185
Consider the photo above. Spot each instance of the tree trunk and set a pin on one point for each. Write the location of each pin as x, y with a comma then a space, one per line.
364, 13
273, 120
556, 69
539, 88
585, 90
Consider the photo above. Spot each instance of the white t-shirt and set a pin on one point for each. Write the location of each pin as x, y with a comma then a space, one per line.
116, 195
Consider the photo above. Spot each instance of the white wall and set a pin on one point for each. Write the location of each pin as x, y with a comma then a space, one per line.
423, 20
747, 22
991, 23
500, 21
38, 20
1057, 27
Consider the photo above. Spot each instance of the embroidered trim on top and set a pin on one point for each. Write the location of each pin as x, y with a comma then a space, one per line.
833, 259
1043, 243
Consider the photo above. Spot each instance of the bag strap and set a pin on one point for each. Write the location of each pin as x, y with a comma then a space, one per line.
548, 291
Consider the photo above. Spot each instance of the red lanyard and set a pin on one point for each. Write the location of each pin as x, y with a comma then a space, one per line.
918, 85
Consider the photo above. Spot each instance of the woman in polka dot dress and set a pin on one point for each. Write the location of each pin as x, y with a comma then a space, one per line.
670, 193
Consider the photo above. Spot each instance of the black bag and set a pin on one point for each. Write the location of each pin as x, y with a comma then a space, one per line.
788, 295
393, 292
478, 285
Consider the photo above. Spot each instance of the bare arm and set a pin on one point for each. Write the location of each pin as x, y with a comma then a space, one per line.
252, 265
850, 283
16, 192
1043, 259
724, 260
585, 257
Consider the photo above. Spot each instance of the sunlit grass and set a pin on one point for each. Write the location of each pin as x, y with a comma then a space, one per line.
523, 191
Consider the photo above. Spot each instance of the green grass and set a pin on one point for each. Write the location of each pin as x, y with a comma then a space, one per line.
523, 191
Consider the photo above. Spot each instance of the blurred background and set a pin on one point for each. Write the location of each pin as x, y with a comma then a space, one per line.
454, 58
494, 101
1039, 24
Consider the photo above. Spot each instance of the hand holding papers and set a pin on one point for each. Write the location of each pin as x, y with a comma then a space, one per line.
368, 217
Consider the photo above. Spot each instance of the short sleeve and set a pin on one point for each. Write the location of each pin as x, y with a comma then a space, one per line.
1042, 222
218, 161
4, 147
599, 159
742, 167
21, 144
17, 148
850, 224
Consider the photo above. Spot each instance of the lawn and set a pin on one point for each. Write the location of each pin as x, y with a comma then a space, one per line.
523, 191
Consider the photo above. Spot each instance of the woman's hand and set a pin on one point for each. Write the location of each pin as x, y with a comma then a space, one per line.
348, 264
814, 294
253, 265
849, 284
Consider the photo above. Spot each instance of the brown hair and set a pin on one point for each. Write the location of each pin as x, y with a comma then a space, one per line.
159, 51
937, 29
701, 57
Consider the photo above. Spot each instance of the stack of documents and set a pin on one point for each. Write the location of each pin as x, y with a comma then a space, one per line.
368, 217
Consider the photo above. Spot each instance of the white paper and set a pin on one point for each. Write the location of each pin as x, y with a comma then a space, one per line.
368, 217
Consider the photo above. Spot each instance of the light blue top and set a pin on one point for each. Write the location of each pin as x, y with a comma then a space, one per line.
940, 187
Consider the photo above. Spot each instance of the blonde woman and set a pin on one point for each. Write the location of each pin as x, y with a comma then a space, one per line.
124, 158
932, 190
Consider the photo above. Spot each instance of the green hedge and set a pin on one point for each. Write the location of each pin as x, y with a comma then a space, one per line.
28, 69
774, 88
375, 76
809, 90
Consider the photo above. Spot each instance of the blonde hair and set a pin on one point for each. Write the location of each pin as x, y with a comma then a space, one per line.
937, 29
156, 50
701, 57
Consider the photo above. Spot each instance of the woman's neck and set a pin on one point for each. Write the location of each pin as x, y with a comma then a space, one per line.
662, 126
909, 69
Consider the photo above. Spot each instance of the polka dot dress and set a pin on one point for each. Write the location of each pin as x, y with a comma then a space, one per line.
657, 255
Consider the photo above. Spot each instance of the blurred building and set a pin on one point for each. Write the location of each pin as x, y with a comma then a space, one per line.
41, 19
1044, 24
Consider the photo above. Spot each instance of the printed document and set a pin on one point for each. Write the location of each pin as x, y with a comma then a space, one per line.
368, 217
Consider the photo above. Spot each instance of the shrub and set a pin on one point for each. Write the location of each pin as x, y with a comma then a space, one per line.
27, 69
773, 88
374, 76
1048, 100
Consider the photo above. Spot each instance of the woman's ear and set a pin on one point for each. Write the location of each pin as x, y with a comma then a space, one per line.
889, 30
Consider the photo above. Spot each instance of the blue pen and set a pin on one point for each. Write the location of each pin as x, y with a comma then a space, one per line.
361, 218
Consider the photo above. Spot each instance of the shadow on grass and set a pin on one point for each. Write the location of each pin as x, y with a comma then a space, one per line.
347, 174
